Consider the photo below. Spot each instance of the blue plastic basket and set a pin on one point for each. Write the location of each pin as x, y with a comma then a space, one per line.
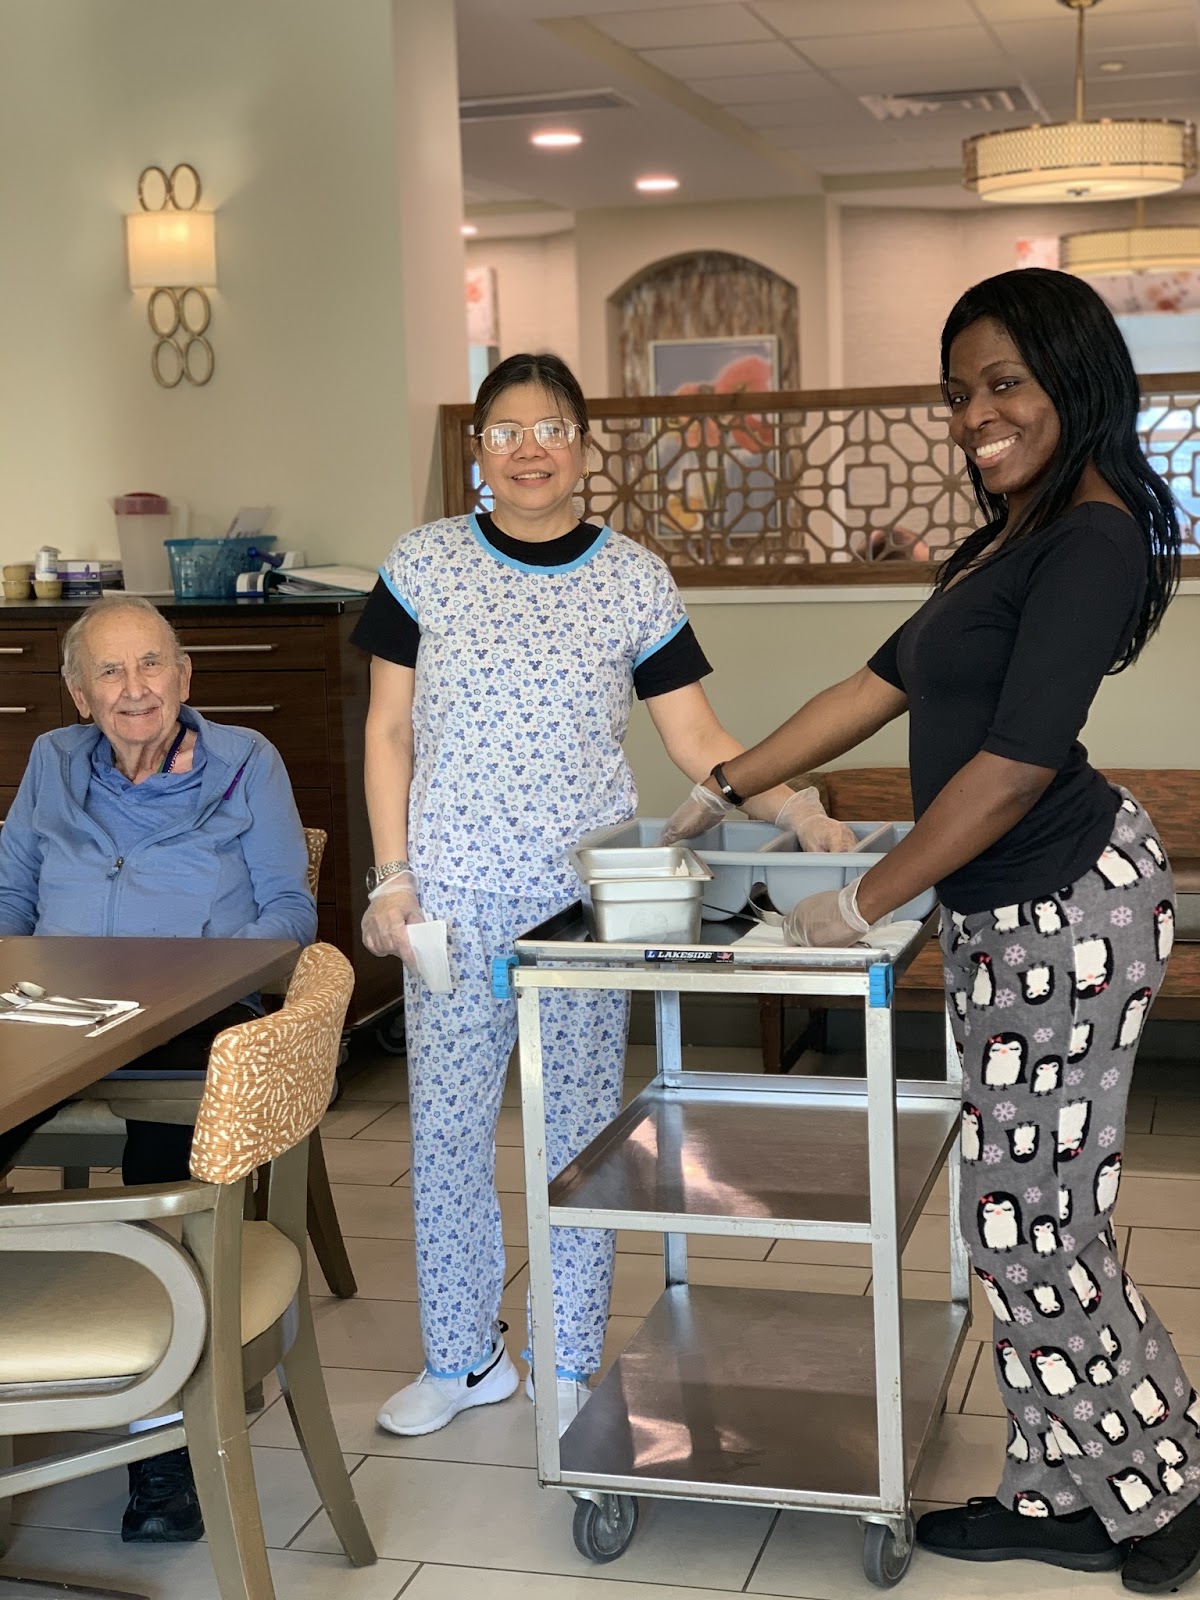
207, 569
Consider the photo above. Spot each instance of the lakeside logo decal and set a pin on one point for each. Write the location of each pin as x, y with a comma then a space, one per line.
724, 957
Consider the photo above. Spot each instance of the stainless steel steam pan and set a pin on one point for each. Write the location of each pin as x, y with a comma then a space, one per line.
651, 895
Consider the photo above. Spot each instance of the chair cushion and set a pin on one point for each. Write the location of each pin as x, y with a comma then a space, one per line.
66, 1318
86, 1117
174, 1100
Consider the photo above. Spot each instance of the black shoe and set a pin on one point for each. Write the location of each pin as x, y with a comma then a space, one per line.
1159, 1563
163, 1507
985, 1530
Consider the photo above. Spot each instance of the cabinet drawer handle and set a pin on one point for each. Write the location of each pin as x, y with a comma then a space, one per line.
228, 649
209, 711
13, 711
12, 649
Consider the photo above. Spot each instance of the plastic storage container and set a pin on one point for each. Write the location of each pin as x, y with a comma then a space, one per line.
641, 896
207, 569
789, 879
143, 527
733, 852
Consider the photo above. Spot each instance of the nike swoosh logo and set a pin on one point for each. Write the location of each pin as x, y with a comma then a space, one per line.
477, 1377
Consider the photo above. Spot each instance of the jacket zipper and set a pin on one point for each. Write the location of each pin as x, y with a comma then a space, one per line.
112, 873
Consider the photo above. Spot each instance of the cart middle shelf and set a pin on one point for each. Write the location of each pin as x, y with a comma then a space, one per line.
700, 1159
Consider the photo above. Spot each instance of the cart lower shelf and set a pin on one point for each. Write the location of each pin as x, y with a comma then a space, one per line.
765, 1396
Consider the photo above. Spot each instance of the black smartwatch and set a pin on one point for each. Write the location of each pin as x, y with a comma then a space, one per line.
723, 784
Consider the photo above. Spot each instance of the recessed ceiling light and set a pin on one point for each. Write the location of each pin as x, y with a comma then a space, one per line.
1112, 66
656, 184
556, 139
468, 230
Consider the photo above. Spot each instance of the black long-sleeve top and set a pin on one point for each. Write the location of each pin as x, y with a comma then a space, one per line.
1008, 660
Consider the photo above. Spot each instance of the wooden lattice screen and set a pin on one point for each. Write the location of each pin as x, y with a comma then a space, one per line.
819, 487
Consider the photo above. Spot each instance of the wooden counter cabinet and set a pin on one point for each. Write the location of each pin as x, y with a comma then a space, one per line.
283, 666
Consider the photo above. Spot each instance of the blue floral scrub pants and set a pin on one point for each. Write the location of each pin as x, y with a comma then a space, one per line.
1048, 1000
458, 1051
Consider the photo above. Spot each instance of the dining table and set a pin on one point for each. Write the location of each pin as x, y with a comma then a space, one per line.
175, 983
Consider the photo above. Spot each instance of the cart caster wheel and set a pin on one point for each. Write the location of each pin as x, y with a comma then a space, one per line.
390, 1036
882, 1564
605, 1531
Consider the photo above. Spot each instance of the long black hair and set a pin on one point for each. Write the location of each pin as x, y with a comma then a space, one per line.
548, 371
1070, 342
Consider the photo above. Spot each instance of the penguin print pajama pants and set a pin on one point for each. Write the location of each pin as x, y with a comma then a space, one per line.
1047, 1002
458, 1051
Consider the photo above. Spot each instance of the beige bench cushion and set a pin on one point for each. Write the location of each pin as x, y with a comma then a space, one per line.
64, 1318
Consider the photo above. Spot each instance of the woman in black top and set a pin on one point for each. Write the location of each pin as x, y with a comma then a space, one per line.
1058, 914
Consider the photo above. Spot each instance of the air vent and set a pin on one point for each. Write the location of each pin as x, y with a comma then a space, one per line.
567, 103
982, 102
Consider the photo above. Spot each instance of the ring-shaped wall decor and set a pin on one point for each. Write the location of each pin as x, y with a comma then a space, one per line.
198, 361
184, 180
194, 311
154, 189
160, 300
168, 368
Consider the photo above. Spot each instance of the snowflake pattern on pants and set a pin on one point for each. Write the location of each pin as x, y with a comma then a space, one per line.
1051, 1073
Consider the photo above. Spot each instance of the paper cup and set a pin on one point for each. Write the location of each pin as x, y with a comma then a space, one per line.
433, 959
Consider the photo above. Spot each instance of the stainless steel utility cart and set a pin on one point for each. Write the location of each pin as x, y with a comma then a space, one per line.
759, 1396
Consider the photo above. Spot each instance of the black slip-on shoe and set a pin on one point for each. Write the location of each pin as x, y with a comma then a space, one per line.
1161, 1562
163, 1507
985, 1530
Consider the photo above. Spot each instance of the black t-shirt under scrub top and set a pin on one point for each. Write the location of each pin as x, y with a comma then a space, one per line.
386, 629
1008, 660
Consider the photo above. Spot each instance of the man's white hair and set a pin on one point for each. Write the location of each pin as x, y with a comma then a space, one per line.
75, 642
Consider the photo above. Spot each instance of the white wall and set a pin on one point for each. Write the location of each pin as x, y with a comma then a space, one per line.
875, 284
286, 109
429, 170
536, 291
770, 655
902, 270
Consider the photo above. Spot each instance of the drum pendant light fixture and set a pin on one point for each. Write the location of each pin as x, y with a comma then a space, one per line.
1110, 159
1171, 248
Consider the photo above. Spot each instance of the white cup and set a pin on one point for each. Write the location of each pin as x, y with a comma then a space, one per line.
433, 959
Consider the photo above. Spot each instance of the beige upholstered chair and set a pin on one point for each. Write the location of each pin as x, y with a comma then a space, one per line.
91, 1133
137, 1302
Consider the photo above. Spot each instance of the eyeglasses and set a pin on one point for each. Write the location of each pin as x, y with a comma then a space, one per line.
552, 433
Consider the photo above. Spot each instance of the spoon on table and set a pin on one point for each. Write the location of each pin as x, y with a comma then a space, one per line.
33, 993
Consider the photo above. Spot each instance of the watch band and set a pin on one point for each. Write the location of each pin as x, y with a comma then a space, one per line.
723, 784
386, 869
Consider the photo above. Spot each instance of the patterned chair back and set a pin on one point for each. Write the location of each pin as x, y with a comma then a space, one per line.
316, 839
269, 1080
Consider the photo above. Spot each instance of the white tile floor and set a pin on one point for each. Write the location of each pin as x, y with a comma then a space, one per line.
459, 1515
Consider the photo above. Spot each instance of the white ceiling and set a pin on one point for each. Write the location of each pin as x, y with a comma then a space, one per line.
761, 98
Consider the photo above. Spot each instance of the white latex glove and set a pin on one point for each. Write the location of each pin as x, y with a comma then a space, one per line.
385, 922
703, 809
830, 918
814, 830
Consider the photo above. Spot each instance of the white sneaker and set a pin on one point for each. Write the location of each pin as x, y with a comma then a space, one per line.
430, 1403
573, 1395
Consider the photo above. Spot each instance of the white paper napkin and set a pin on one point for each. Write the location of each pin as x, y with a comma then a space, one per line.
106, 1011
433, 958
892, 937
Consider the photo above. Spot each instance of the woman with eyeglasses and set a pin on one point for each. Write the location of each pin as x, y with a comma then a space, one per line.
507, 648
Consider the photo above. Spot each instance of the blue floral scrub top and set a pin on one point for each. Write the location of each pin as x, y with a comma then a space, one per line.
524, 684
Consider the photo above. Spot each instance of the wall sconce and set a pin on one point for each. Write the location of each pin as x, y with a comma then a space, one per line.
173, 253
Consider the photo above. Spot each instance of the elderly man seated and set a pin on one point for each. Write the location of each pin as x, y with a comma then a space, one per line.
146, 820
